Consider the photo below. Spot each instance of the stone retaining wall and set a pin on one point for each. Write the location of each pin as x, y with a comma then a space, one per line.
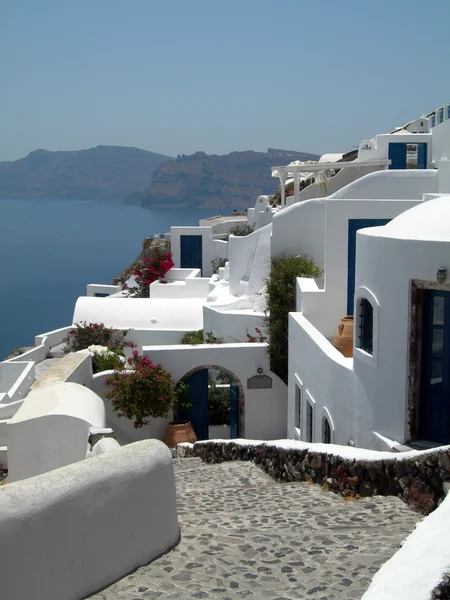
415, 477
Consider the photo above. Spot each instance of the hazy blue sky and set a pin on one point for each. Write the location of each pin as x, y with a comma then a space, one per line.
176, 76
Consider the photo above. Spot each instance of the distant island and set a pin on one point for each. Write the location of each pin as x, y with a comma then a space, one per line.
101, 173
145, 178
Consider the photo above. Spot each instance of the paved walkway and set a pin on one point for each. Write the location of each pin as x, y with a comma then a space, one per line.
245, 536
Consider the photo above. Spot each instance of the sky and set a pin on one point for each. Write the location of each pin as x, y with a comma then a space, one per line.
178, 76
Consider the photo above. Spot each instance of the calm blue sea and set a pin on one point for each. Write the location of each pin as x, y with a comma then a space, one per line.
50, 250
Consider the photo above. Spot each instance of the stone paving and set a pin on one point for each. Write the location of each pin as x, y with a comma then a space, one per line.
246, 536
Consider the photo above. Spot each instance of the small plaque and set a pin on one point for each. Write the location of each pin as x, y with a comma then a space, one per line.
258, 382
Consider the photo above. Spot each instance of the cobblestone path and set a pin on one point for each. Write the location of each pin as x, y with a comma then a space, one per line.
245, 536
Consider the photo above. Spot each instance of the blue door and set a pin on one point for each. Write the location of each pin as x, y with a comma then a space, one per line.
197, 413
353, 226
421, 156
191, 251
434, 412
397, 154
234, 412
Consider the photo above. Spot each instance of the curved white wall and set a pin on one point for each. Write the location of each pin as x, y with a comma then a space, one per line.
406, 184
71, 532
51, 429
385, 266
300, 229
241, 256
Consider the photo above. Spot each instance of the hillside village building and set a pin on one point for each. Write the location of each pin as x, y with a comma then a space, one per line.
377, 226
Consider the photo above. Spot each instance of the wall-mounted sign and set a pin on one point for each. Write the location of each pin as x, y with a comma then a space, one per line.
259, 382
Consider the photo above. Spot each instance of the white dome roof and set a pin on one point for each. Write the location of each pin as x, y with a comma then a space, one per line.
428, 221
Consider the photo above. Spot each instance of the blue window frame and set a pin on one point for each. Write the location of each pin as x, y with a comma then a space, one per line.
298, 407
365, 332
309, 424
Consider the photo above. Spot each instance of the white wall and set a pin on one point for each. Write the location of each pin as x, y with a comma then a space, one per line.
223, 226
220, 249
78, 529
335, 183
265, 410
51, 429
369, 396
334, 300
123, 428
232, 325
300, 229
96, 288
328, 382
385, 267
208, 249
242, 251
141, 313
406, 184
419, 565
380, 145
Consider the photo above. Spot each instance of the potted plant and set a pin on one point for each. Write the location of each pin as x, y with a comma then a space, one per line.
143, 390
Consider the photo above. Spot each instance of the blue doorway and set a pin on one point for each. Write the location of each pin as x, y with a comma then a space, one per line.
191, 254
434, 411
197, 413
353, 226
404, 156
214, 404
397, 154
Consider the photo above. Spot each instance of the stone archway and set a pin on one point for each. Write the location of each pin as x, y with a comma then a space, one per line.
241, 396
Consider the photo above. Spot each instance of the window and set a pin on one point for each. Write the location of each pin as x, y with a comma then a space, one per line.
326, 431
365, 332
309, 422
298, 407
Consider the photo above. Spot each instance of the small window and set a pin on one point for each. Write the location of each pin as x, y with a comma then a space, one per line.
298, 407
309, 422
326, 431
365, 334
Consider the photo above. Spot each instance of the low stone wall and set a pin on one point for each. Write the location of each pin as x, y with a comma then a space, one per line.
415, 477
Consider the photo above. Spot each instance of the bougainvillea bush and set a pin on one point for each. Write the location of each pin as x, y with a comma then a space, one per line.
154, 269
143, 390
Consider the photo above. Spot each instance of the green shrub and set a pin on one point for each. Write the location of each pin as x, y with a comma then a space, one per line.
280, 302
241, 230
192, 337
198, 337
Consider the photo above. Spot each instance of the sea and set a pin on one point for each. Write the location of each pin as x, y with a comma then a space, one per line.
51, 249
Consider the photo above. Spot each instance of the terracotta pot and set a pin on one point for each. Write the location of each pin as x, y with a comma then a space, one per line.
343, 338
178, 432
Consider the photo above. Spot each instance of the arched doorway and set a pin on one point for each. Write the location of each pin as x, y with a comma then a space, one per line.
217, 402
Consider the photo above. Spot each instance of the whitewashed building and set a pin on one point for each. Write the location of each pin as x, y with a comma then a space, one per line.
390, 273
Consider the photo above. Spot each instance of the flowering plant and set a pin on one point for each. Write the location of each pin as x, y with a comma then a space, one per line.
144, 392
84, 335
154, 268
104, 358
257, 337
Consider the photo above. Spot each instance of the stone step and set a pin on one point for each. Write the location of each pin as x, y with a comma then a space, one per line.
57, 351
